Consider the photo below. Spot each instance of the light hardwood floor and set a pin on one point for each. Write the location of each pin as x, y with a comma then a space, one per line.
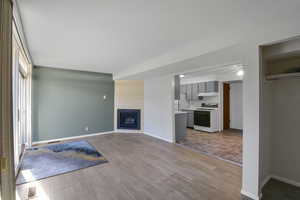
141, 167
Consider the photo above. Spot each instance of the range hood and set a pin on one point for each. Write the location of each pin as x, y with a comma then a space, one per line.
208, 94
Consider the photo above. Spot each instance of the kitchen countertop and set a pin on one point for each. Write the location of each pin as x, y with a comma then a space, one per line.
188, 109
180, 112
206, 108
199, 108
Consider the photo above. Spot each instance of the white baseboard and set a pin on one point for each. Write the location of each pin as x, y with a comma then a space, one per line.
158, 137
73, 137
265, 181
128, 131
101, 133
279, 178
286, 180
250, 195
282, 179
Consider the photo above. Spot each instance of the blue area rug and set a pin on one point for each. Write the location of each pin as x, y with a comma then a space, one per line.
51, 160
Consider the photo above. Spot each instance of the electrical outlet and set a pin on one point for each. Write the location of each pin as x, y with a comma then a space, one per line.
104, 97
86, 128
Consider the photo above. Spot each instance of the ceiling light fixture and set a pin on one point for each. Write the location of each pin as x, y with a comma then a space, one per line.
181, 75
240, 73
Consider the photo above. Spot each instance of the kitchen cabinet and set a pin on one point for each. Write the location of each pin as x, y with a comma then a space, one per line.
180, 126
183, 89
201, 87
189, 92
192, 91
195, 91
190, 118
212, 86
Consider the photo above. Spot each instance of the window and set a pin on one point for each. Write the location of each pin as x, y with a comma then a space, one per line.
21, 98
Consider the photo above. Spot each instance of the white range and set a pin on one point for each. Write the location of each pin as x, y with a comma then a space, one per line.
206, 119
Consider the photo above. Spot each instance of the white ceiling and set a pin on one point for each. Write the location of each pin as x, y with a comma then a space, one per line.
113, 35
225, 73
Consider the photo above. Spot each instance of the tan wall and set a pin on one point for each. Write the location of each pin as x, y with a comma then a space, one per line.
129, 94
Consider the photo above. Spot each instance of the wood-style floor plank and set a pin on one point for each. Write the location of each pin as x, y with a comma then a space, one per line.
141, 167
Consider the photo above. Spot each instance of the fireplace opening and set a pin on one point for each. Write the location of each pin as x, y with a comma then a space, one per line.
129, 119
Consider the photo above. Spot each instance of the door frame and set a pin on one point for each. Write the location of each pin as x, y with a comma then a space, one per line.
226, 105
10, 29
7, 173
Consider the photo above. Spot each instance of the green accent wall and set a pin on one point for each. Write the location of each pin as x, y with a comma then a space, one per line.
65, 102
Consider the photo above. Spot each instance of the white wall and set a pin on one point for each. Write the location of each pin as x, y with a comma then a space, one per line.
129, 94
252, 127
161, 126
285, 128
266, 134
236, 105
253, 146
217, 75
191, 80
159, 107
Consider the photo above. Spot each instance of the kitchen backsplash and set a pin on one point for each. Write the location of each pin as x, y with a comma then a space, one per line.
206, 100
186, 104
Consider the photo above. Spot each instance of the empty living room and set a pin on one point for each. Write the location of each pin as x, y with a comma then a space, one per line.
149, 100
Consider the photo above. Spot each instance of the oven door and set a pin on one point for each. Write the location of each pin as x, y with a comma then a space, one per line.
202, 118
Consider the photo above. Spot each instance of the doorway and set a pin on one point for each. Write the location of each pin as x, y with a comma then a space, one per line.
208, 117
233, 105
